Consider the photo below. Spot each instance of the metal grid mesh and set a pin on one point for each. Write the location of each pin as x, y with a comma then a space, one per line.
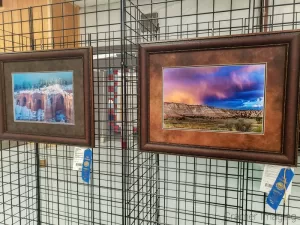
127, 186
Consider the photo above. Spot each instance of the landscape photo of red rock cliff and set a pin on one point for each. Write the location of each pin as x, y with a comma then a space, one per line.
223, 98
43, 97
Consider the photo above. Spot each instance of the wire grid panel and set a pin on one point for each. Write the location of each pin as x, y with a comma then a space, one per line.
127, 186
18, 178
188, 190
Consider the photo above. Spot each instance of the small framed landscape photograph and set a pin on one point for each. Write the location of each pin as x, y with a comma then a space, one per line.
231, 97
44, 97
38, 99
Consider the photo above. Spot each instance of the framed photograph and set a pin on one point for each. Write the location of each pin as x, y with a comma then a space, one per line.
47, 96
231, 97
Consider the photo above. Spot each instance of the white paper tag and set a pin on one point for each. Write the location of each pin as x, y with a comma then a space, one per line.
269, 177
78, 158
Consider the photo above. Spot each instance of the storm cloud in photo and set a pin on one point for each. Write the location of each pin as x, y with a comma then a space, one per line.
238, 87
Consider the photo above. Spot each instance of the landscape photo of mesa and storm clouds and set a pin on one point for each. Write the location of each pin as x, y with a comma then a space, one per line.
227, 98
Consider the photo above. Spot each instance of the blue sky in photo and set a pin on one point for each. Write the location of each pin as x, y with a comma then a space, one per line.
34, 77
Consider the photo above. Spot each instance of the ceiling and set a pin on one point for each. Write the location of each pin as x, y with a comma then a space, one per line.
88, 3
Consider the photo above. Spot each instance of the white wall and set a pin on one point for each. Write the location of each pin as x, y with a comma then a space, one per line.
283, 14
97, 18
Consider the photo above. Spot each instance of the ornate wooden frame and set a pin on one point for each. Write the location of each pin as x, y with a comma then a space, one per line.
286, 155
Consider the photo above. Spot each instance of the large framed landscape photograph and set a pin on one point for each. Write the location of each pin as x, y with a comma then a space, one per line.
231, 97
39, 89
224, 98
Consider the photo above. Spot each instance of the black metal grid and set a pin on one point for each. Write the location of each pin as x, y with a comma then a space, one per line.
127, 186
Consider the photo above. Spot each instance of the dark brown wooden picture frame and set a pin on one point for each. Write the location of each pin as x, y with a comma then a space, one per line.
279, 143
82, 133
